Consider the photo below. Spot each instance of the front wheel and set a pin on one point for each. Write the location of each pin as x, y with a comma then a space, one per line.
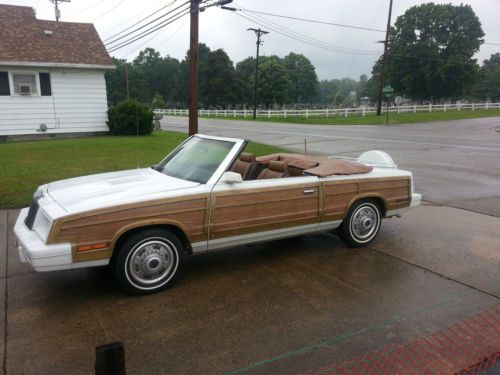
148, 261
361, 224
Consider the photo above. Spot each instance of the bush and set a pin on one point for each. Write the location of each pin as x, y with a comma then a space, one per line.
158, 102
130, 118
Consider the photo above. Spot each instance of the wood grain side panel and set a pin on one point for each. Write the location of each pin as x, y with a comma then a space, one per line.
253, 211
188, 213
339, 195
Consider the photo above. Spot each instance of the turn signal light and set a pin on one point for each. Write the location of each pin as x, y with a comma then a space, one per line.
97, 246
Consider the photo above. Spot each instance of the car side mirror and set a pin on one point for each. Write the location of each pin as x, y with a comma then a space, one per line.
231, 178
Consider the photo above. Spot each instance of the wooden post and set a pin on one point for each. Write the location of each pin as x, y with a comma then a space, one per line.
110, 359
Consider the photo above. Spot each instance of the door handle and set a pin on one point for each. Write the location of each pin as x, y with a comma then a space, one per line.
309, 191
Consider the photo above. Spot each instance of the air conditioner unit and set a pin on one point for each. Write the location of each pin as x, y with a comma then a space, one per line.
25, 89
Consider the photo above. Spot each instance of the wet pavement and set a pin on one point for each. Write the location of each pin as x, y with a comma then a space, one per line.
286, 306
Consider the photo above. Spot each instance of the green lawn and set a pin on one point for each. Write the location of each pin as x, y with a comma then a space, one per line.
26, 165
403, 118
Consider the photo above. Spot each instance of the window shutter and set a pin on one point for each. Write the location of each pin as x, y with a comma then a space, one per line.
45, 88
4, 84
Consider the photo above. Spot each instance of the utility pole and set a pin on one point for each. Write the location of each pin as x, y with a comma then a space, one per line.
259, 33
193, 68
126, 80
384, 62
56, 6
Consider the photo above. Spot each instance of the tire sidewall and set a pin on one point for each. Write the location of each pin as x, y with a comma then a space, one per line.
346, 228
121, 263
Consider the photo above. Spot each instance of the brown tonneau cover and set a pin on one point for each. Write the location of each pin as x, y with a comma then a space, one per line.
320, 166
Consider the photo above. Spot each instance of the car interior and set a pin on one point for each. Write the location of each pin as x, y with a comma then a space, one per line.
282, 165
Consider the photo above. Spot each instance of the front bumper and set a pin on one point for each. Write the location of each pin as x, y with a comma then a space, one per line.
32, 249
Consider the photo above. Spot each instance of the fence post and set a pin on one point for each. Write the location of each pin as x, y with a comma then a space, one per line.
444, 108
430, 107
364, 111
268, 113
245, 113
486, 105
473, 106
284, 113
307, 113
234, 112
110, 359
225, 113
216, 113
327, 112
414, 108
346, 112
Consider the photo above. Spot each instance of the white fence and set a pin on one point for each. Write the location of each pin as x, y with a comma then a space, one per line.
338, 112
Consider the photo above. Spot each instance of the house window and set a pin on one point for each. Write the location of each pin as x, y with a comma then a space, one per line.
4, 84
45, 86
24, 84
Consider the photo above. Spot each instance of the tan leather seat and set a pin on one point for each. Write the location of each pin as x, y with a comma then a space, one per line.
243, 164
275, 169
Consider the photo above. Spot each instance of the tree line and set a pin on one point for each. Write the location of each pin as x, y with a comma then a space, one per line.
430, 59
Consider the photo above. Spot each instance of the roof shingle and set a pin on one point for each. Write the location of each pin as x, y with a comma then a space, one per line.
23, 39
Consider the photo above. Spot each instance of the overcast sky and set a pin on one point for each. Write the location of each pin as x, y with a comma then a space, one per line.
225, 29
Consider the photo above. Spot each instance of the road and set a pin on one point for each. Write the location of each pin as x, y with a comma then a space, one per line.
288, 306
455, 163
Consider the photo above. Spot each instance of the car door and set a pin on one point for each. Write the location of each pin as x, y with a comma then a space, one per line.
258, 210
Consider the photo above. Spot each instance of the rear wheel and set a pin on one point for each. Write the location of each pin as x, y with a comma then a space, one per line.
148, 261
361, 224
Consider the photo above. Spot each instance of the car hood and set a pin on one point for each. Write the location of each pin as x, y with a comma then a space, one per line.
109, 189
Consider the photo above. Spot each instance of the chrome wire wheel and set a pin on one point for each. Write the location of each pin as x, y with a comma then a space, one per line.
364, 222
150, 261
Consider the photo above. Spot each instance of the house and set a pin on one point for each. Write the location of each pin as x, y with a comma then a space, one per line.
51, 75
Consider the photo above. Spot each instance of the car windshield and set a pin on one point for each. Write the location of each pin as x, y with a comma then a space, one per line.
196, 160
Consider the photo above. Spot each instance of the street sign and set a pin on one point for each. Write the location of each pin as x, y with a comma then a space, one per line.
388, 89
398, 100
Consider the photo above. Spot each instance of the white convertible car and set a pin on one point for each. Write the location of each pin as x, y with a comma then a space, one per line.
206, 195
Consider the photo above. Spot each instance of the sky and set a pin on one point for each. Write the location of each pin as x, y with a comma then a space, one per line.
336, 51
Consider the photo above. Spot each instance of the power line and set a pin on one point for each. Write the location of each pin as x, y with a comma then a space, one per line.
146, 33
138, 22
108, 11
304, 39
312, 21
149, 23
96, 4
492, 44
154, 36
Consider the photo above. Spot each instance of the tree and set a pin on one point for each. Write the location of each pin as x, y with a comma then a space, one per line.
223, 86
302, 74
245, 71
488, 85
273, 81
158, 102
431, 50
339, 92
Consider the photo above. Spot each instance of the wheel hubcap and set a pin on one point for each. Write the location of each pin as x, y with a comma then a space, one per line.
151, 261
364, 222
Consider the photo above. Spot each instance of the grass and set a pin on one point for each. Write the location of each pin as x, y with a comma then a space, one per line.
26, 165
371, 119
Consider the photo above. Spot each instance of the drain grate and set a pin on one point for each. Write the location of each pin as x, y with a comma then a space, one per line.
469, 347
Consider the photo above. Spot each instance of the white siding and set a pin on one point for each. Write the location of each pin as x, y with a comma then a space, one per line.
78, 104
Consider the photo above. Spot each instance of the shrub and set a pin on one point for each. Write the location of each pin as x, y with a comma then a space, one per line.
158, 102
130, 118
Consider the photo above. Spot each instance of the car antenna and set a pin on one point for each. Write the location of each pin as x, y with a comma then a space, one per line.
137, 133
